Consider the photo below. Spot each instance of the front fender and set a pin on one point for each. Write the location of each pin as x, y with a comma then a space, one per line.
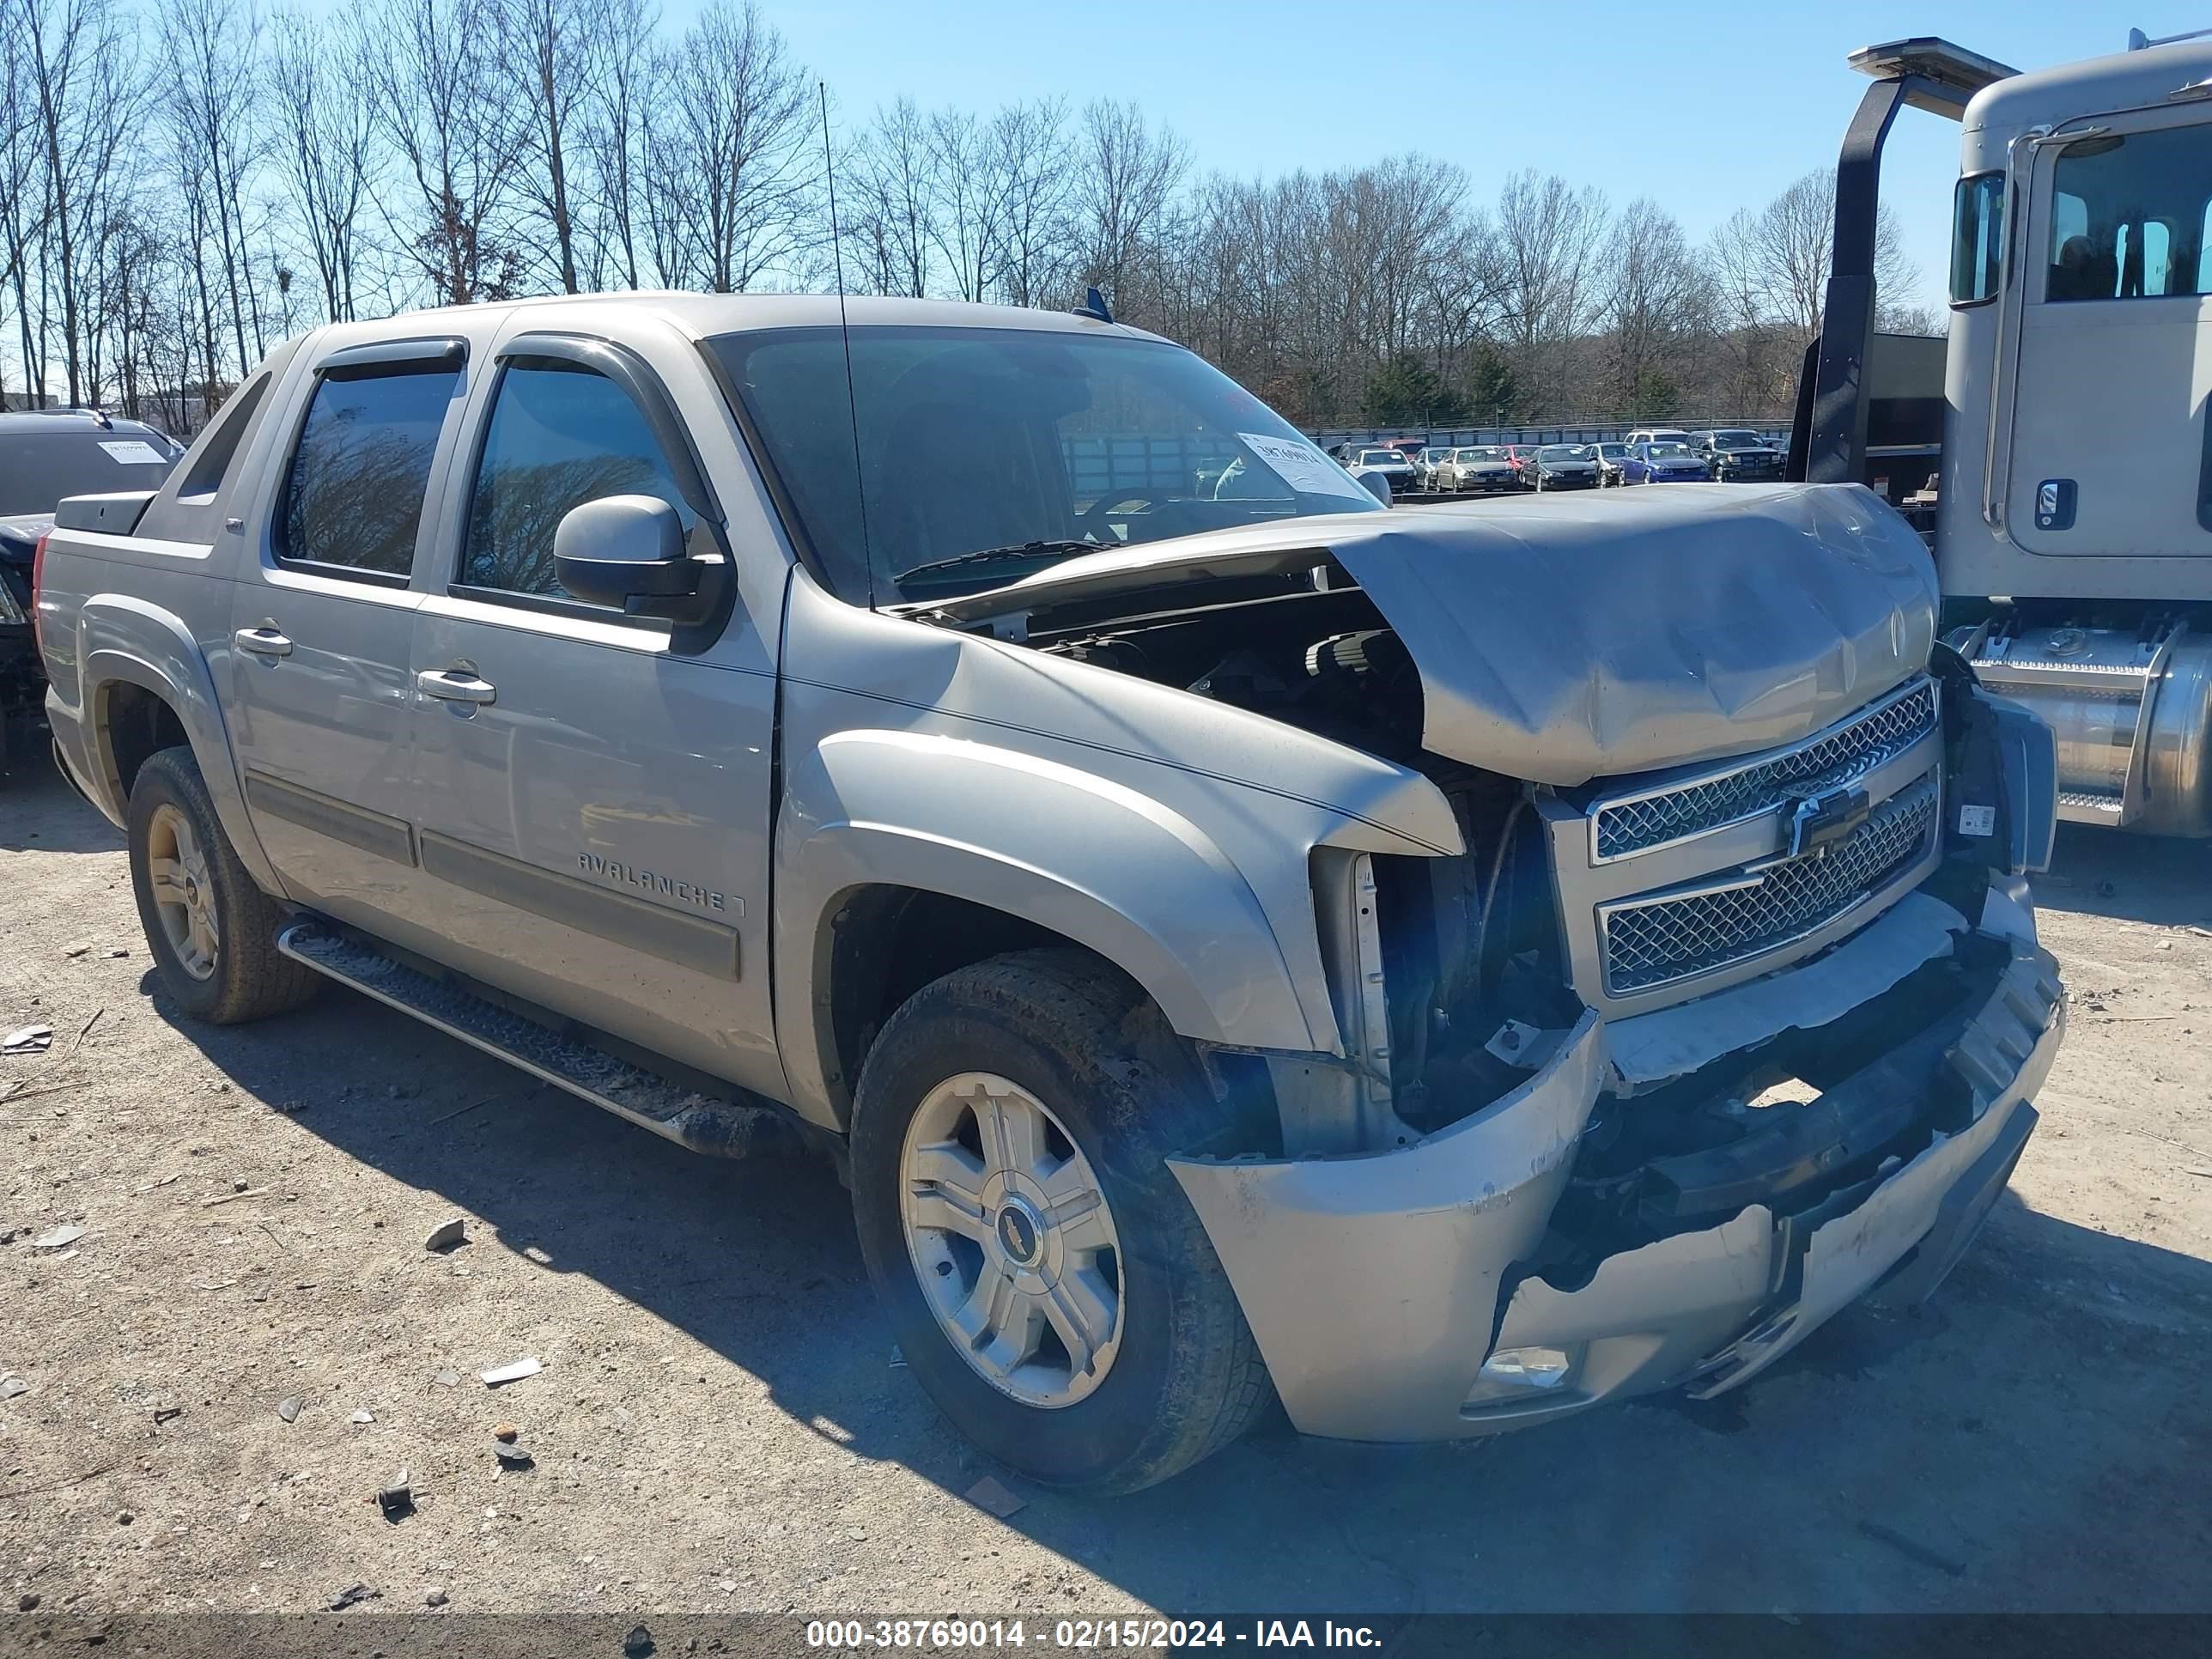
124, 641
1093, 860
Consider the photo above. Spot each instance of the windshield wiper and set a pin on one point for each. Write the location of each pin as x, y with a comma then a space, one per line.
1013, 555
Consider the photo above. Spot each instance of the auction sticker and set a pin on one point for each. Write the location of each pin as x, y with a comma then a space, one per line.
1302, 467
133, 451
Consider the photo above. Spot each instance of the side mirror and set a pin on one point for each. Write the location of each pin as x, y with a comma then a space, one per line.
628, 551
1378, 486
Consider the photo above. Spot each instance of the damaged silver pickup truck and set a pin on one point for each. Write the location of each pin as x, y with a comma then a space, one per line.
1444, 971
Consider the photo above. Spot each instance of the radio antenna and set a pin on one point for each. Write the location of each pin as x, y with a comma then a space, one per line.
845, 333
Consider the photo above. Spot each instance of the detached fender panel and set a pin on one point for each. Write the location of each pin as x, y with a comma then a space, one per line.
1089, 858
124, 641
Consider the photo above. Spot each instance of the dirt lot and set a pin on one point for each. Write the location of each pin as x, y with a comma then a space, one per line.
720, 1424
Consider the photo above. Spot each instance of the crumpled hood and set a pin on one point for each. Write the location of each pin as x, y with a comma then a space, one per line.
1561, 638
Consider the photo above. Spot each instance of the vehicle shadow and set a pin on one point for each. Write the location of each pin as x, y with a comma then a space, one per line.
2025, 1441
2158, 879
39, 810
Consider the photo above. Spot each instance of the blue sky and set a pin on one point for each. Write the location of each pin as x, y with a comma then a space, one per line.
1707, 105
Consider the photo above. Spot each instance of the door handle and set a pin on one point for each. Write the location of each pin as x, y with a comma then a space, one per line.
262, 642
453, 685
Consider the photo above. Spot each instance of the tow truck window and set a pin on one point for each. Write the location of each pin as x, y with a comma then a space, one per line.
1977, 239
2128, 216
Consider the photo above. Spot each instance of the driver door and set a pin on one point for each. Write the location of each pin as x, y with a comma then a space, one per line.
593, 787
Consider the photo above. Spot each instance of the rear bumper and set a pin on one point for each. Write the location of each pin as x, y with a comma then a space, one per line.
1379, 1286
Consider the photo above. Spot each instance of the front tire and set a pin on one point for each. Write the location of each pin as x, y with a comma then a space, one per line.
212, 931
1042, 1273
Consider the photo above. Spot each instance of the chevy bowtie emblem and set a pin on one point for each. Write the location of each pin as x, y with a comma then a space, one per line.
1817, 822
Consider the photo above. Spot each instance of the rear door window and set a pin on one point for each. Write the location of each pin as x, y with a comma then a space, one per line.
354, 490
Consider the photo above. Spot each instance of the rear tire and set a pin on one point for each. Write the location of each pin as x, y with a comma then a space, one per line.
1176, 1375
211, 930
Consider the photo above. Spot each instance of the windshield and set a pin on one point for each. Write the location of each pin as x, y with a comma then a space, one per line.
1737, 440
1562, 452
1667, 452
1025, 446
1379, 457
38, 469
1482, 454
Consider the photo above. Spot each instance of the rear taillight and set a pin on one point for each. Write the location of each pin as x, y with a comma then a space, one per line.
38, 579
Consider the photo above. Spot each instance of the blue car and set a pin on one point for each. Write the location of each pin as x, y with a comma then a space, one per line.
1669, 463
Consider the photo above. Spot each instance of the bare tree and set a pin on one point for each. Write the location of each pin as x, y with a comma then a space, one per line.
81, 67
1777, 257
559, 49
614, 117
1549, 235
1126, 172
1026, 145
895, 215
733, 152
448, 114
324, 124
1658, 299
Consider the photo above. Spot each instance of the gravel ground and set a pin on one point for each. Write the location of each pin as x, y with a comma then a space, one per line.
721, 1425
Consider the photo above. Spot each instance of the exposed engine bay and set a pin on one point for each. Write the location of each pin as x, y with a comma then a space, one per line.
1470, 942
1478, 993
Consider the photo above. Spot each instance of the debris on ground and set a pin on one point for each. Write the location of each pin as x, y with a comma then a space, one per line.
447, 1379
234, 1195
448, 1235
364, 1417
505, 1431
638, 1643
990, 1495
511, 1373
60, 1239
397, 1499
28, 1040
512, 1457
12, 1385
26, 1602
119, 953
433, 1598
289, 1407
353, 1593
167, 1414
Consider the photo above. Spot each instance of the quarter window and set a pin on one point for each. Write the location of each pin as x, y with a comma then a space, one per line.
2128, 215
1977, 239
352, 493
561, 434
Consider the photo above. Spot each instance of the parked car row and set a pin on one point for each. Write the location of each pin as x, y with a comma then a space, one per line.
1647, 455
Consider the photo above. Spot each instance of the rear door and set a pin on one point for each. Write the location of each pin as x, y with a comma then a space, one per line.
321, 700
2110, 452
593, 808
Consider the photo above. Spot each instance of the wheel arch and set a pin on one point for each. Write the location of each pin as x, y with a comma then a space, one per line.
953, 851
143, 684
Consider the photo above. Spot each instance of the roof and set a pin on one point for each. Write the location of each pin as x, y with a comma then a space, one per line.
66, 420
2092, 86
734, 314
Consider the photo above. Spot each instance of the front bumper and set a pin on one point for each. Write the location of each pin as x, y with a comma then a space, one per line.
1379, 1286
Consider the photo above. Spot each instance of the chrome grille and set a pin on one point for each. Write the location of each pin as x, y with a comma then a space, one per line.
1652, 941
1858, 744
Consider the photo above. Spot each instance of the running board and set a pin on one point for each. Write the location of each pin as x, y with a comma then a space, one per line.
669, 1110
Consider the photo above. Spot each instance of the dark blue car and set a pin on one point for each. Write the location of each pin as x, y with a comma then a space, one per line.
1669, 463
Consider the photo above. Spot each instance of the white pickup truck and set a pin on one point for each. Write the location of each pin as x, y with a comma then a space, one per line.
1444, 972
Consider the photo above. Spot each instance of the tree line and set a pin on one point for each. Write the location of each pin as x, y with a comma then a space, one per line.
183, 183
